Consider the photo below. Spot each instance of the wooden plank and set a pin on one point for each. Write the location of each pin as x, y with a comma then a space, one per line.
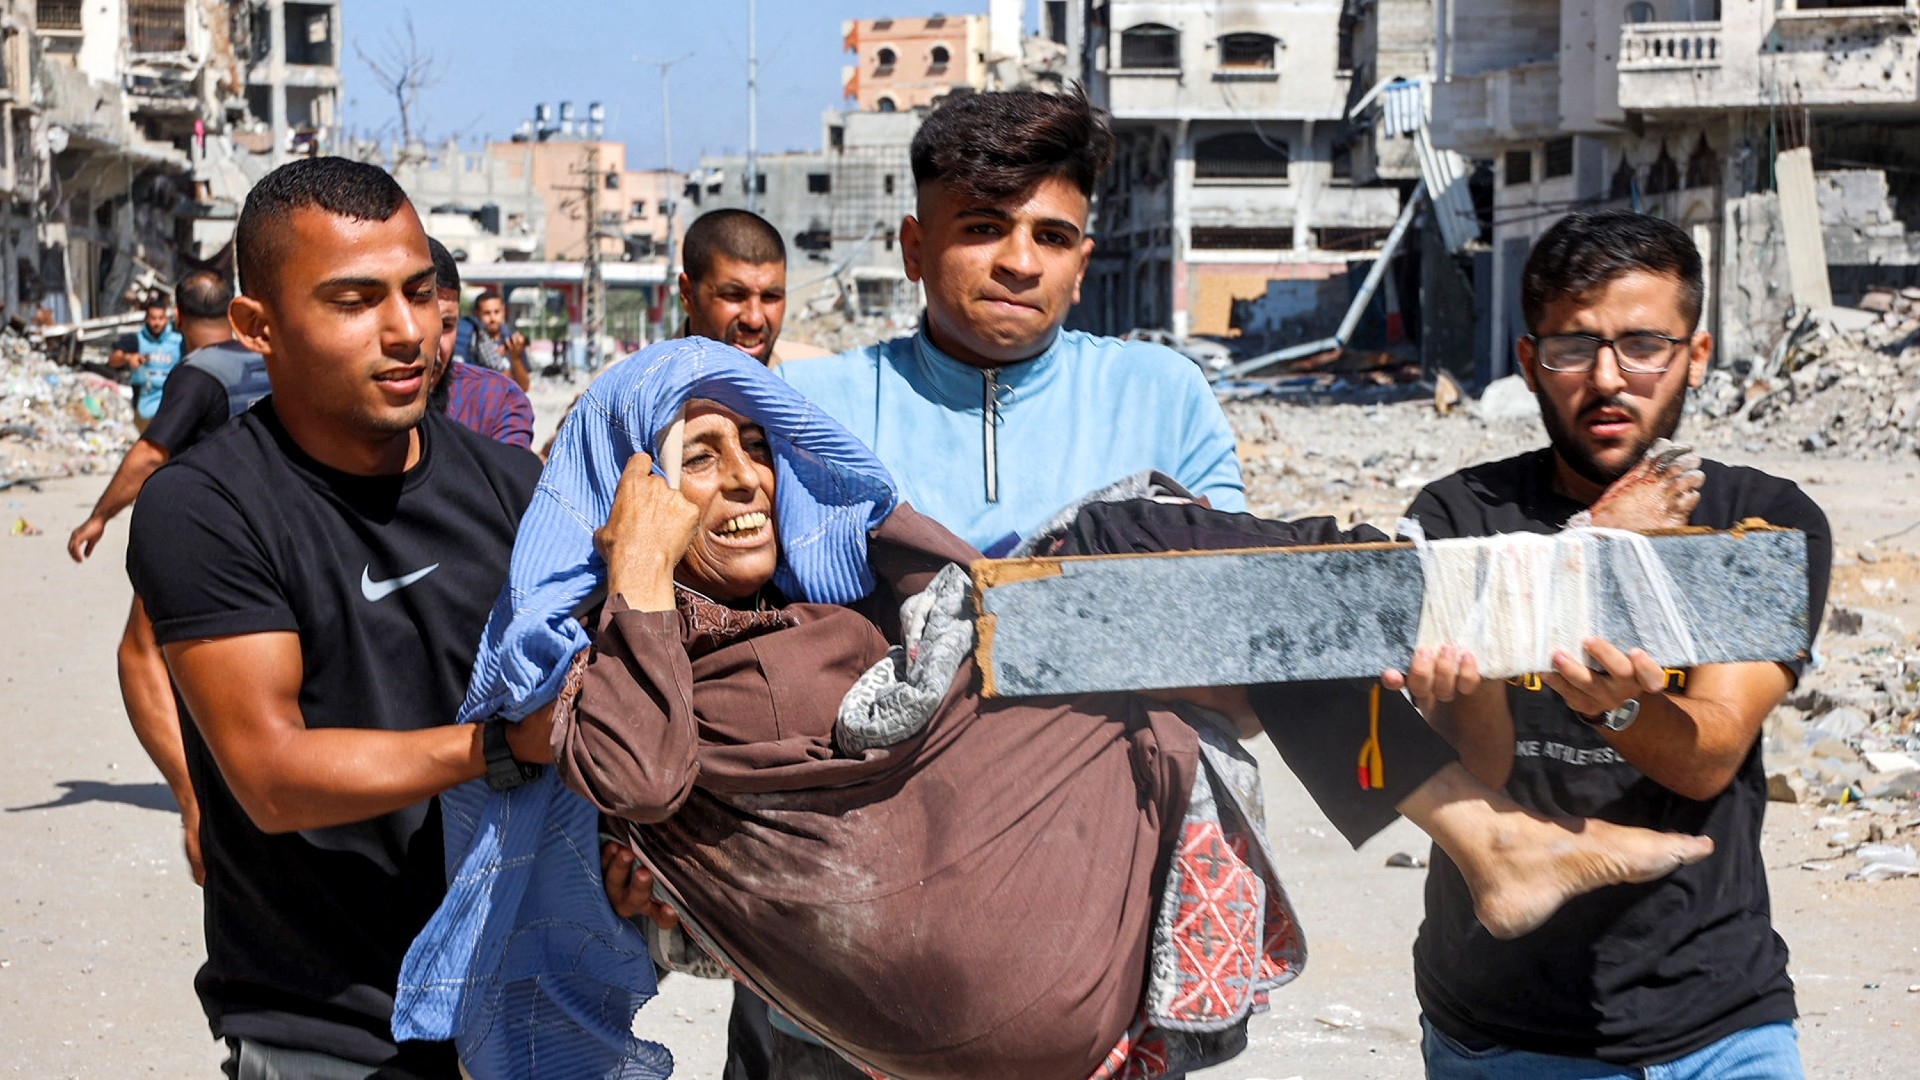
1088, 624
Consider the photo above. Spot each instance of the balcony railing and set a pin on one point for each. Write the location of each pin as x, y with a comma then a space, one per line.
1646, 46
58, 14
157, 26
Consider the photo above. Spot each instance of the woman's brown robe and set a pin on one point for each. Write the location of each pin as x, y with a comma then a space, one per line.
973, 902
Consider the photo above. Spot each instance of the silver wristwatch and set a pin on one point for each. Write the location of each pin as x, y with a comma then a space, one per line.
1619, 718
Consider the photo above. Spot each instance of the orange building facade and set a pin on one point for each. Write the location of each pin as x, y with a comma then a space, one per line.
908, 63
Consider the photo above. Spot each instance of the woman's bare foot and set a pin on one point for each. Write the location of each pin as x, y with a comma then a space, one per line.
1521, 866
1532, 865
1659, 492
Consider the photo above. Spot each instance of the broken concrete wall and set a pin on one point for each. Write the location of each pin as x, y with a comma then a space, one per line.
1756, 290
1291, 311
1858, 220
1867, 242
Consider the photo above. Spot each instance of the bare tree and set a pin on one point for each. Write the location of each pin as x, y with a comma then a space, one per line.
403, 69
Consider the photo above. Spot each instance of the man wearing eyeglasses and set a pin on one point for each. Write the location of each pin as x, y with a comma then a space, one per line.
1686, 973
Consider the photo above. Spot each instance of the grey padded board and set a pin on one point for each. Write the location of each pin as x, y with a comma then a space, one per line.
1086, 624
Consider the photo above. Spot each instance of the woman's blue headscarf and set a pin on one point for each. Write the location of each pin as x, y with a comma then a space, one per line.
525, 964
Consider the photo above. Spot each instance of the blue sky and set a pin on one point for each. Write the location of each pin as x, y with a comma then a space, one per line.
499, 57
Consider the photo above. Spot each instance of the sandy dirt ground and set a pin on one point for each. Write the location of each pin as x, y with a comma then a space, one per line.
99, 922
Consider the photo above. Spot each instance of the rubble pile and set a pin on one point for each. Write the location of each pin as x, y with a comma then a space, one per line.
1851, 730
1841, 382
1362, 463
54, 420
835, 332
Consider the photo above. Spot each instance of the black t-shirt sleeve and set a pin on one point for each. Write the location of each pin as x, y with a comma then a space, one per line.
1791, 508
127, 343
1430, 508
198, 564
194, 405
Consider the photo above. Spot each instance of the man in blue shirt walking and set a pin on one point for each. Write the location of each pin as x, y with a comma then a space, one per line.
151, 353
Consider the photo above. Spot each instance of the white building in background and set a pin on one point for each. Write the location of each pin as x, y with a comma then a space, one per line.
1240, 183
1678, 107
838, 208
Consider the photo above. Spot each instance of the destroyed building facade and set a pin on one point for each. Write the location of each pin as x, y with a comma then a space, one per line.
838, 208
1242, 195
133, 128
1683, 108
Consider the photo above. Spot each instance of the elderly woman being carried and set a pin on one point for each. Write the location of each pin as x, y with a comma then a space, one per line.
777, 714
937, 884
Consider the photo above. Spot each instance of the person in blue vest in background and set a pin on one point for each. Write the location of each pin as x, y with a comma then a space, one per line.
151, 353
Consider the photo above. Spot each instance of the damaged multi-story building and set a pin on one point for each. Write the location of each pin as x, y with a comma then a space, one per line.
1242, 195
840, 206
134, 128
1683, 108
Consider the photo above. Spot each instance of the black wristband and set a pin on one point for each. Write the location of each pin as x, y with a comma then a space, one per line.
504, 771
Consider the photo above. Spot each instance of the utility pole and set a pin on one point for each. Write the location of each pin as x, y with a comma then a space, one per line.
753, 107
671, 308
593, 287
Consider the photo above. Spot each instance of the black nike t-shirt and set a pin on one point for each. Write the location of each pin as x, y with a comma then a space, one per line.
1635, 974
387, 581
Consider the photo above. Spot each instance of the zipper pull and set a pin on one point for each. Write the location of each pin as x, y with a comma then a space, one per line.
990, 413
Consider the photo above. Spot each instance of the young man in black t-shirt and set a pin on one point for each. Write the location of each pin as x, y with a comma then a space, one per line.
318, 573
1685, 972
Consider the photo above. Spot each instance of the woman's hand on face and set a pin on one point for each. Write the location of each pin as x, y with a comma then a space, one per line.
647, 532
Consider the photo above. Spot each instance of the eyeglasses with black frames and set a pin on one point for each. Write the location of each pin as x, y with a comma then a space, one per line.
1637, 354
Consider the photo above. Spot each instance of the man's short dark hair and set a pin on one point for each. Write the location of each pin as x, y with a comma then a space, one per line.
995, 146
1584, 252
204, 294
154, 299
446, 272
740, 235
490, 294
339, 186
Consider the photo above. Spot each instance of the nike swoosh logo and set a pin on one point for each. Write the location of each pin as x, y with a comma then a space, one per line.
380, 590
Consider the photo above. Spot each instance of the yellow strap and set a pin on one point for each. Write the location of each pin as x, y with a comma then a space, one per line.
1373, 768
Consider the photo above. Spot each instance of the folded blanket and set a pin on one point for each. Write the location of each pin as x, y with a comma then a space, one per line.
525, 962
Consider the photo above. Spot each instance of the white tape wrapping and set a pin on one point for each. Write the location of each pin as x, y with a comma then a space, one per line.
1513, 600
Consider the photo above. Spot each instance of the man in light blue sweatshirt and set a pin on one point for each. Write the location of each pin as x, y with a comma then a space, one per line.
992, 418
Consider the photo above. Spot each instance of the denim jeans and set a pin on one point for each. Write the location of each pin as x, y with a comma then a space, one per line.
1767, 1052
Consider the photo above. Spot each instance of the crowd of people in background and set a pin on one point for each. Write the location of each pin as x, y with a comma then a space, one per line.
333, 463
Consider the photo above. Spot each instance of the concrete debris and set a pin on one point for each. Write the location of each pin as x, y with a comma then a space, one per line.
55, 420
1883, 861
1508, 399
1361, 462
1789, 787
1838, 382
1889, 761
833, 331
1848, 732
